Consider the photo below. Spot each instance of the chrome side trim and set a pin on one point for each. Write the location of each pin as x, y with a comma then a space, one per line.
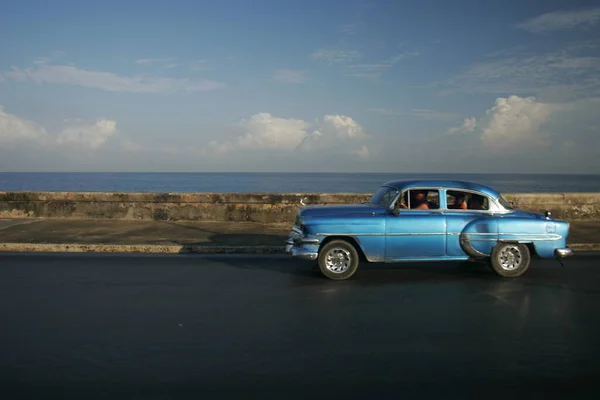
416, 234
349, 234
522, 239
528, 234
421, 259
473, 236
379, 234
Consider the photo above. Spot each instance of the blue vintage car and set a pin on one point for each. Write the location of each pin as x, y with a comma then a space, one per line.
427, 220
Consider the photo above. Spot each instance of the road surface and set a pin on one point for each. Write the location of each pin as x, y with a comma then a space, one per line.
144, 326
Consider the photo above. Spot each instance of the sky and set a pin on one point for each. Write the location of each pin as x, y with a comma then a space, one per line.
300, 86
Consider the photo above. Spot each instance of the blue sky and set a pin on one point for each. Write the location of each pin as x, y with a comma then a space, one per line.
366, 86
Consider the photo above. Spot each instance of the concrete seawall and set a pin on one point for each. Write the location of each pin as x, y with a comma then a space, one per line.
238, 207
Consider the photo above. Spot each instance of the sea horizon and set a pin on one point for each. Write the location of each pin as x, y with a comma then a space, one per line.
279, 182
300, 172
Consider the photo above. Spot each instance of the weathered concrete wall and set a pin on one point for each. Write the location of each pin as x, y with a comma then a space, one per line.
569, 206
237, 207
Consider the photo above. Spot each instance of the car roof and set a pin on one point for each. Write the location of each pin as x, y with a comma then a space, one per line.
442, 183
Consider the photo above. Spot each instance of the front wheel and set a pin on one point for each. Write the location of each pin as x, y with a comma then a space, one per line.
338, 260
510, 260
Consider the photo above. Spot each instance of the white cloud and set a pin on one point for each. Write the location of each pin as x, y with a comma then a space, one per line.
290, 76
562, 20
70, 75
92, 135
342, 127
333, 56
468, 125
513, 122
15, 130
264, 131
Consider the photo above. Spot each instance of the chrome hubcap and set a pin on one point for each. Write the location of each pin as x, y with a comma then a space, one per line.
338, 260
510, 258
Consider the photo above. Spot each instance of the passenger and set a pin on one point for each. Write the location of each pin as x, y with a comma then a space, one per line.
459, 201
476, 203
419, 201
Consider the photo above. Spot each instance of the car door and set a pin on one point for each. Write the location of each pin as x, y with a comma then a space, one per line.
483, 230
416, 233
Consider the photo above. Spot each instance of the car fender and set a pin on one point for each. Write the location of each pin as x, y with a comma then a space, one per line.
479, 237
543, 235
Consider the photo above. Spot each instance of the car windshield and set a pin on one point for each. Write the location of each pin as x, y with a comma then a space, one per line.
383, 196
505, 203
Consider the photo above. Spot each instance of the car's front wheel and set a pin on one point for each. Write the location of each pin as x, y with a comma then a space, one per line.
510, 260
338, 260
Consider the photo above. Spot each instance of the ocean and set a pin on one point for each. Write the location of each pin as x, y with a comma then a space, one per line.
277, 182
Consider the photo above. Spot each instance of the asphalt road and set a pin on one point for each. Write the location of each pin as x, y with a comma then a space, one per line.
117, 326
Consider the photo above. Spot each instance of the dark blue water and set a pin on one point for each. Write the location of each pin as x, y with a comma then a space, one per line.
276, 182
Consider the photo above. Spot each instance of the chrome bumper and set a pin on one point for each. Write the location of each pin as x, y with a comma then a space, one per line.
300, 252
296, 251
566, 252
304, 254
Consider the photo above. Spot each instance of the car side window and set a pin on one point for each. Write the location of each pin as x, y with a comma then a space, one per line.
456, 200
478, 202
433, 199
420, 199
460, 200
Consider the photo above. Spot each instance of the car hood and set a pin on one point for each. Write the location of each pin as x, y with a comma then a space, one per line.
339, 210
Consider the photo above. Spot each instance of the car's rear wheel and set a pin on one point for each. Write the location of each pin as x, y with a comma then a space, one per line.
510, 260
338, 260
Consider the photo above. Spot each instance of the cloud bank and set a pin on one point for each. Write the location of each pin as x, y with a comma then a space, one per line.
266, 132
42, 72
16, 131
513, 122
562, 20
88, 135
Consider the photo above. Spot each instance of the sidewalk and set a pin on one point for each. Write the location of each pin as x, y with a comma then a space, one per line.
60, 235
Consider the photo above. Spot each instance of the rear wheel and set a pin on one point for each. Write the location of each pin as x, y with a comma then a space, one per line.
338, 260
510, 260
